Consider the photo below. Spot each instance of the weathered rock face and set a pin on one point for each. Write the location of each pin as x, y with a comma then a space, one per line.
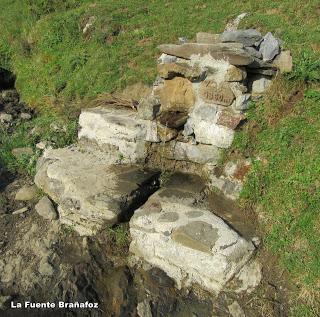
119, 130
148, 108
170, 70
46, 209
230, 180
214, 134
259, 84
269, 47
189, 243
246, 37
197, 153
211, 92
176, 95
90, 191
229, 119
284, 62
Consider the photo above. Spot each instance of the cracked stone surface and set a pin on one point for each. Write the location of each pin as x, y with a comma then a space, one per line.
176, 233
90, 191
118, 130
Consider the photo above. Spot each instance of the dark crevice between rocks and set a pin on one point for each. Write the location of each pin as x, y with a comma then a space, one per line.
138, 197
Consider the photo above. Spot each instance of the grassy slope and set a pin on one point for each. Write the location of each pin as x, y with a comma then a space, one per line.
44, 45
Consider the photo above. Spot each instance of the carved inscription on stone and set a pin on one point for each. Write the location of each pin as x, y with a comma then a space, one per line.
211, 92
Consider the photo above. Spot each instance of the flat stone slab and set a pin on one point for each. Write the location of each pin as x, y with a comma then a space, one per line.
119, 128
188, 242
232, 52
89, 190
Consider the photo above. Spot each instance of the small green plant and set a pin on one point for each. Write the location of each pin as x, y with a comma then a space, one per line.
120, 158
119, 235
68, 229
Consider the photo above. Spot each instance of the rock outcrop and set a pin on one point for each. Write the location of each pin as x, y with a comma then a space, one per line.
112, 175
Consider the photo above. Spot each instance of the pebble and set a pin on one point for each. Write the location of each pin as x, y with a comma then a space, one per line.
20, 211
26, 193
25, 116
41, 145
5, 118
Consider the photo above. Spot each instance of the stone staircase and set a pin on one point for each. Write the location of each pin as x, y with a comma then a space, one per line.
197, 102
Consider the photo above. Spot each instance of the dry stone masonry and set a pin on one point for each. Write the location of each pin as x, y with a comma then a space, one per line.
197, 102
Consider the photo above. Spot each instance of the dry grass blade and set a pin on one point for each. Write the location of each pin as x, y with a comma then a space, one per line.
108, 99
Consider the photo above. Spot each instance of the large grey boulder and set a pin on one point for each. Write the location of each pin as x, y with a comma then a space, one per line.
88, 189
188, 242
246, 37
269, 47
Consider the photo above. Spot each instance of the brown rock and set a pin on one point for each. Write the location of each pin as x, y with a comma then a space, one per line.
26, 193
173, 119
176, 95
229, 119
171, 70
166, 134
283, 62
221, 94
232, 52
207, 38
235, 74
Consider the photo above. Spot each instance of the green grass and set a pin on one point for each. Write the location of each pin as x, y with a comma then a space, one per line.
28, 134
46, 39
57, 65
119, 237
284, 183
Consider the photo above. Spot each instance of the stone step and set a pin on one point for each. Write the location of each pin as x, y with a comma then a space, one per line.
118, 130
90, 189
179, 235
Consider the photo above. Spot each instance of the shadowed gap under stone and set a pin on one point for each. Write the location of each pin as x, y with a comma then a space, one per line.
138, 197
